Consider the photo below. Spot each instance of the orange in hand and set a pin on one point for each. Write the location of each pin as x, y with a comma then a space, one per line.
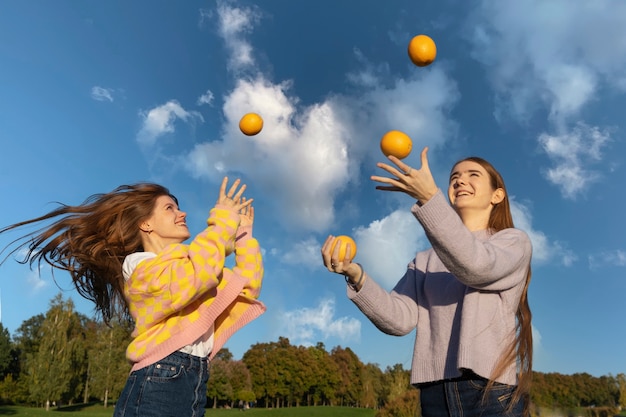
396, 143
343, 240
251, 124
422, 50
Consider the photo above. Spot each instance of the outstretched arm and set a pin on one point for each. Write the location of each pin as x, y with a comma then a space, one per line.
248, 259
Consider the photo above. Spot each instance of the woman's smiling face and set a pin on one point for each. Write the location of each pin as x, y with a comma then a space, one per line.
470, 187
167, 221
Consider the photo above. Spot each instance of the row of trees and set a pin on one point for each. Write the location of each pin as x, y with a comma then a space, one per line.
65, 357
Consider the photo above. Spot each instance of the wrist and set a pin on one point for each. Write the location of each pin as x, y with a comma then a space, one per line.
355, 282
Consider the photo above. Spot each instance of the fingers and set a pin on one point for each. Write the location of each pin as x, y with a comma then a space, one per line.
234, 196
331, 259
424, 158
223, 188
246, 209
326, 255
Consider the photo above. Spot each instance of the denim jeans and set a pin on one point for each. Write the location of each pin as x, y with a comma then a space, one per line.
464, 397
172, 387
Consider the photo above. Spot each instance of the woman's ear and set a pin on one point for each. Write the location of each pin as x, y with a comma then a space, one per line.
497, 196
145, 227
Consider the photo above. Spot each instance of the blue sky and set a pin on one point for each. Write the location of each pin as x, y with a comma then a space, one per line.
97, 94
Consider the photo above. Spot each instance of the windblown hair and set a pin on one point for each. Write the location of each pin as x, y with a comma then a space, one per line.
520, 351
90, 241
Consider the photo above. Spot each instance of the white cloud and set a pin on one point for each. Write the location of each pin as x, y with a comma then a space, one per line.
573, 154
544, 250
552, 52
304, 154
608, 258
102, 94
206, 98
307, 326
386, 246
160, 120
555, 56
312, 152
35, 282
233, 24
304, 253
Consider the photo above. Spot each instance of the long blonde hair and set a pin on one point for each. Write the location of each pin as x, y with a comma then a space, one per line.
520, 351
91, 240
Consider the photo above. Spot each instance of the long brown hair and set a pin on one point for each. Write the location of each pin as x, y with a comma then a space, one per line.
520, 351
91, 240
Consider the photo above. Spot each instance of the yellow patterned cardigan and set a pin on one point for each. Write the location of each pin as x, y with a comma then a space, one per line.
175, 297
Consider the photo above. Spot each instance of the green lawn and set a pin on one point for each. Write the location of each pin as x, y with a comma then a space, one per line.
99, 411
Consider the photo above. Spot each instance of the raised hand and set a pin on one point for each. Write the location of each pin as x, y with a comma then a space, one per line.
417, 183
246, 214
233, 198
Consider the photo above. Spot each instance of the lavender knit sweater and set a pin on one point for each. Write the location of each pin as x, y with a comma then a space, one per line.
461, 295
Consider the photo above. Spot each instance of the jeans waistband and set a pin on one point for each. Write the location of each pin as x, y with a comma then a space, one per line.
186, 359
466, 375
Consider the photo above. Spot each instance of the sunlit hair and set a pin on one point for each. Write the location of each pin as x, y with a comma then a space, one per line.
91, 240
520, 351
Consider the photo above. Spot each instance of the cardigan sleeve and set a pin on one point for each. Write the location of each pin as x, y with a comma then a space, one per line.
248, 262
188, 271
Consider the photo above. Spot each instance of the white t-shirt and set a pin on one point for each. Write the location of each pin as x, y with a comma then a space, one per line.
204, 344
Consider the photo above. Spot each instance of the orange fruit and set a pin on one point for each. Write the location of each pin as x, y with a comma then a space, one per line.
422, 50
251, 124
343, 240
396, 143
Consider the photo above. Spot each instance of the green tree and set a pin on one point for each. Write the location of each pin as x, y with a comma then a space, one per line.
323, 377
229, 381
56, 371
406, 405
107, 368
396, 382
240, 381
620, 380
264, 375
350, 370
219, 387
26, 341
373, 386
6, 351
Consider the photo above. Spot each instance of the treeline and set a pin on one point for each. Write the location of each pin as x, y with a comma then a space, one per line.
63, 357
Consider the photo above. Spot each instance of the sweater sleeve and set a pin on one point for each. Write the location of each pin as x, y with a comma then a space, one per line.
394, 312
497, 262
188, 271
248, 262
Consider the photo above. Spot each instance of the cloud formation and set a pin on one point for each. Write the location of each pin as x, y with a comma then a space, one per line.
386, 246
102, 94
160, 120
574, 155
544, 250
306, 326
615, 257
554, 56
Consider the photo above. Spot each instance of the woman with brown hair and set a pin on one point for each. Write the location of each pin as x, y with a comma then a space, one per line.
124, 251
466, 296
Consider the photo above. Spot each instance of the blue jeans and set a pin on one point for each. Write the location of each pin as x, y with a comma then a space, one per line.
464, 397
172, 387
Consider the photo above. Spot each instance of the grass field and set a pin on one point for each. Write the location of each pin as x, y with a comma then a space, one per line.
100, 411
